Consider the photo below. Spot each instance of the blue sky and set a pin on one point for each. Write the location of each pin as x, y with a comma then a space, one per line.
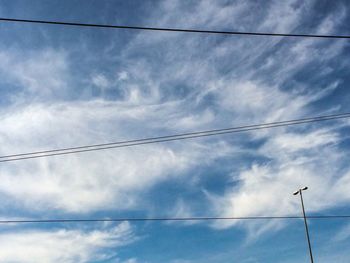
67, 86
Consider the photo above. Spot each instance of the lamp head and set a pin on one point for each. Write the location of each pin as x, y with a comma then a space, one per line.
296, 192
305, 188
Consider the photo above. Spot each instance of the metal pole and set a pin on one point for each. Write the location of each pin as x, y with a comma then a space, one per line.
306, 227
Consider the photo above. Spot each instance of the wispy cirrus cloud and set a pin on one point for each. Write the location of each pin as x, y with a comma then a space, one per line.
292, 160
86, 182
165, 83
179, 87
65, 245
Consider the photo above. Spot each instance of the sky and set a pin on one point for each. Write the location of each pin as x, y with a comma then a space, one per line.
68, 86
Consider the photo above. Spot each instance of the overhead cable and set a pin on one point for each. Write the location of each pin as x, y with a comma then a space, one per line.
176, 137
131, 219
168, 29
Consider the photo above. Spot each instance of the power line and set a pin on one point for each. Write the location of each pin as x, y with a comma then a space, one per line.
322, 217
176, 137
15, 20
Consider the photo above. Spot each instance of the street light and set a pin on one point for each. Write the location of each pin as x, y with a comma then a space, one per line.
306, 227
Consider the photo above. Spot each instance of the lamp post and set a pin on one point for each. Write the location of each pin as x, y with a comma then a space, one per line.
305, 221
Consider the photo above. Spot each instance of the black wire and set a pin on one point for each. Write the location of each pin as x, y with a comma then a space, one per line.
171, 29
183, 136
171, 219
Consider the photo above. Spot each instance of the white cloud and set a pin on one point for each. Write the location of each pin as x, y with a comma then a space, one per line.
289, 145
247, 80
309, 159
64, 245
100, 81
224, 81
123, 75
41, 74
89, 181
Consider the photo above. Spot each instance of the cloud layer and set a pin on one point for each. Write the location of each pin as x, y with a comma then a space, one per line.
65, 245
166, 83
